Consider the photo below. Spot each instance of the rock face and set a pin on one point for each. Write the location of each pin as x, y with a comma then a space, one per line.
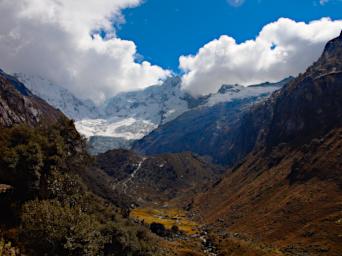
156, 179
19, 105
311, 105
287, 191
214, 127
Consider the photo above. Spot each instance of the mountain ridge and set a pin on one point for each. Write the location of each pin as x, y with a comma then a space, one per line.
130, 116
215, 122
19, 105
286, 193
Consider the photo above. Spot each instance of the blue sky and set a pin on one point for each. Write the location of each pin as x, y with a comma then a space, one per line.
163, 30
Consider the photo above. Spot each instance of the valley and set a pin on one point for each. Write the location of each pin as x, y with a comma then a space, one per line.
243, 171
169, 217
280, 197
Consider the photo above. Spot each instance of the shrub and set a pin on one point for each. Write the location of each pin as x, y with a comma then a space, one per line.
53, 229
66, 188
6, 249
158, 229
59, 215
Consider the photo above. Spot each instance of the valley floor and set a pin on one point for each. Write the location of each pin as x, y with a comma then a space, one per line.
196, 238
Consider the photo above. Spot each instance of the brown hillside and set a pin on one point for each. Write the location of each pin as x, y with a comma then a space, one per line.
287, 193
156, 178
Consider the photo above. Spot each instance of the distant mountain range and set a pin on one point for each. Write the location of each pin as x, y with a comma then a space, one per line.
128, 117
210, 128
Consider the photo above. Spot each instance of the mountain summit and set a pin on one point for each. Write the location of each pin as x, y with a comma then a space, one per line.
130, 116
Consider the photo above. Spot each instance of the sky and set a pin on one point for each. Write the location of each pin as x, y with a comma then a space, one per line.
98, 48
165, 30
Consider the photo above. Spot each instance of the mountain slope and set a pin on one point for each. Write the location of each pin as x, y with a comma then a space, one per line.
156, 179
157, 104
19, 105
212, 128
48, 204
287, 193
130, 116
59, 97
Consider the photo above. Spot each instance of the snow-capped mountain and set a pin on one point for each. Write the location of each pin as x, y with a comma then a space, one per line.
59, 97
207, 129
229, 93
156, 104
130, 116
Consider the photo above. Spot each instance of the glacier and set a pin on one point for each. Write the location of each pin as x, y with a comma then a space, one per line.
130, 116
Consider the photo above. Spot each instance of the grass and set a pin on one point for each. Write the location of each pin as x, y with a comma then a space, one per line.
168, 217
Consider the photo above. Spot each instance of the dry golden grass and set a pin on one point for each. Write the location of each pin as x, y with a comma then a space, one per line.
168, 217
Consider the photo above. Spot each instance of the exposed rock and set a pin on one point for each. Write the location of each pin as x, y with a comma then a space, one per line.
19, 105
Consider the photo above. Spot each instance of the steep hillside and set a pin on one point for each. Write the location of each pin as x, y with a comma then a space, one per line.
52, 199
19, 105
286, 195
213, 128
156, 179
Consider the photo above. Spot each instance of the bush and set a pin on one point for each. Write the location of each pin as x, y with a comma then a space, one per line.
49, 228
6, 249
66, 188
59, 215
158, 229
53, 229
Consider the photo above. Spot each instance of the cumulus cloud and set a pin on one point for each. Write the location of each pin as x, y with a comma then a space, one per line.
281, 49
60, 40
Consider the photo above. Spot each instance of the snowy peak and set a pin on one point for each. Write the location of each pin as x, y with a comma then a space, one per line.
130, 116
59, 97
229, 93
157, 104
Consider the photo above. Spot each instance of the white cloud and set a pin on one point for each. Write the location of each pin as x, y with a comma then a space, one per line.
52, 38
281, 49
323, 2
236, 3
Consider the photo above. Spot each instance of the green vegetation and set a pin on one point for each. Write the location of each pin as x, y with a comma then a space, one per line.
51, 208
6, 249
50, 227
